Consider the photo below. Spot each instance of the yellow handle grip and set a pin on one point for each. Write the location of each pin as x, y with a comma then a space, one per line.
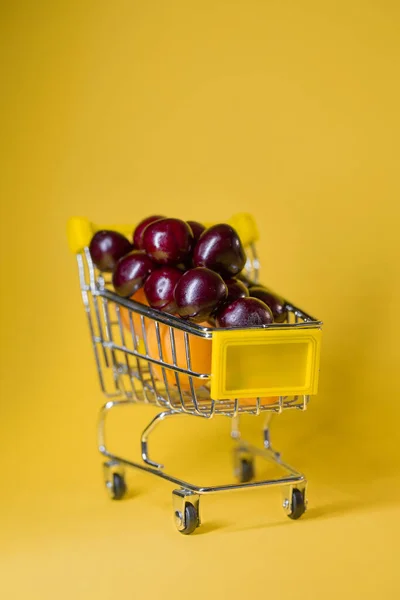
80, 230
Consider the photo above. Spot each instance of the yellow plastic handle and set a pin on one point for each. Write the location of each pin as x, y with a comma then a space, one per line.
80, 230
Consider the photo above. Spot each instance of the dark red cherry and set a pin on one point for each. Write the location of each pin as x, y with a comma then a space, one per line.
160, 286
220, 249
197, 229
236, 289
198, 294
107, 247
131, 272
168, 241
244, 278
244, 312
139, 231
274, 302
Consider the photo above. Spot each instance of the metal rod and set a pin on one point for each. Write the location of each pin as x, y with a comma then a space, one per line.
194, 328
209, 489
147, 431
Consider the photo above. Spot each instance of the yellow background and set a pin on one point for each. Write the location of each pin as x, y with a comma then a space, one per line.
288, 110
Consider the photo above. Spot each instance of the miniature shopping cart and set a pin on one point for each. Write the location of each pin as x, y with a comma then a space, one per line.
261, 369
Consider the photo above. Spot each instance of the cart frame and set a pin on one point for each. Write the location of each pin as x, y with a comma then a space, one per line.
127, 358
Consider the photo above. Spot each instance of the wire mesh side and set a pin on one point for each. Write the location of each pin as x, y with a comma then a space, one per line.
150, 361
143, 359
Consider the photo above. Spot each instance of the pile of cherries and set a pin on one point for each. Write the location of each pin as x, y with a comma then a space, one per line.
187, 270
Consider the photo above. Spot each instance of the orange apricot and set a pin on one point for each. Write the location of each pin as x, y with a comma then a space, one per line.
263, 402
153, 349
200, 354
200, 357
138, 296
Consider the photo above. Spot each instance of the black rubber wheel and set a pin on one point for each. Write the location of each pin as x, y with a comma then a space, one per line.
246, 470
118, 486
298, 504
191, 519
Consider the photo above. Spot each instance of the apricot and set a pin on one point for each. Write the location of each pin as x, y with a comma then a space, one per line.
263, 402
138, 296
200, 354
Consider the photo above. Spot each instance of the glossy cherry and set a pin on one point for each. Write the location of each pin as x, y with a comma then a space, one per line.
139, 231
160, 286
274, 302
107, 247
198, 294
220, 249
236, 289
168, 241
197, 229
244, 312
131, 272
244, 278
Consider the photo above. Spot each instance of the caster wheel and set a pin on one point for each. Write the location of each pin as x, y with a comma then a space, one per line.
190, 519
117, 486
246, 472
298, 504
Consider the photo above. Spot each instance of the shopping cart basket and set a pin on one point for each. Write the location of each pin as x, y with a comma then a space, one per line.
265, 369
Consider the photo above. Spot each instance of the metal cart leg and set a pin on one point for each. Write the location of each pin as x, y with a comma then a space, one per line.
267, 436
186, 506
114, 478
294, 496
186, 498
101, 435
144, 439
243, 459
113, 470
295, 500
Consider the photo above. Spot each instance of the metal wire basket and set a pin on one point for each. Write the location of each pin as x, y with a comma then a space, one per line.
146, 356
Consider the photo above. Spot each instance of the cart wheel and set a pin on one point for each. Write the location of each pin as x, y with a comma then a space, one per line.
246, 470
190, 519
117, 487
298, 507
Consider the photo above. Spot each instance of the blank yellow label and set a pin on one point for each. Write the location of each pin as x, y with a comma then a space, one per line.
268, 362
